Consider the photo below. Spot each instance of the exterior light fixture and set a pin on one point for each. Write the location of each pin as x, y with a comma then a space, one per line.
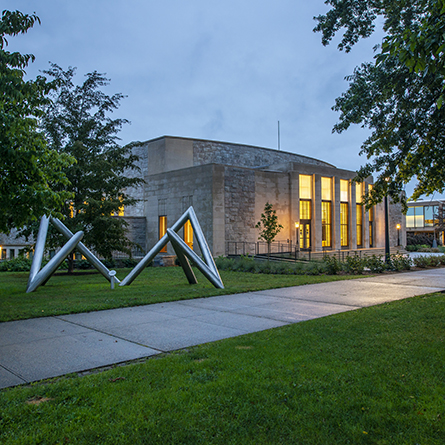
297, 237
398, 234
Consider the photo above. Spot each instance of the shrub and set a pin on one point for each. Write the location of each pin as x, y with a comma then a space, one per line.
82, 264
401, 262
354, 264
375, 264
333, 265
19, 264
129, 262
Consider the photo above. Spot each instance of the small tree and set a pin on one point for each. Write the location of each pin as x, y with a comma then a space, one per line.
268, 225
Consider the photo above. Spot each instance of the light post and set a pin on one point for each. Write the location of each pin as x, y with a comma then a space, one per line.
398, 234
387, 254
297, 236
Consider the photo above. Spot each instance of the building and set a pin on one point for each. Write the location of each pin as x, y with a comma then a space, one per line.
229, 184
422, 218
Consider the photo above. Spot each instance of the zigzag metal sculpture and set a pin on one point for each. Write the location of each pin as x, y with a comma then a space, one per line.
183, 252
37, 276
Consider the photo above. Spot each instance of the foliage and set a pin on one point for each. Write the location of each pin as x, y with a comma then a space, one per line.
77, 123
19, 264
418, 239
399, 96
32, 181
354, 264
268, 226
376, 264
370, 376
333, 265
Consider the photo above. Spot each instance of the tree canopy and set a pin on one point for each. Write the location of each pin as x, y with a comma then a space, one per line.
400, 95
77, 123
32, 180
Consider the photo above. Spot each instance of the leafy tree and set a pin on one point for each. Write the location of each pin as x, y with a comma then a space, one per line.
268, 225
77, 123
29, 170
399, 96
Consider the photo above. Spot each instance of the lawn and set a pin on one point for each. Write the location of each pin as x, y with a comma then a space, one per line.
370, 376
65, 294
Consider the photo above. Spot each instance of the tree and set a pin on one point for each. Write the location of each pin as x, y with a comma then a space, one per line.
399, 96
77, 123
268, 225
32, 181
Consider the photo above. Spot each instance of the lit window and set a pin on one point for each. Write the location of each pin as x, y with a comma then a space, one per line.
344, 186
326, 189
359, 225
344, 228
326, 223
358, 192
305, 209
305, 187
163, 230
371, 226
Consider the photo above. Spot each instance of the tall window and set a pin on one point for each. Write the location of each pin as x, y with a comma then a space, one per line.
305, 187
371, 227
344, 213
162, 220
163, 230
326, 196
305, 223
344, 232
359, 212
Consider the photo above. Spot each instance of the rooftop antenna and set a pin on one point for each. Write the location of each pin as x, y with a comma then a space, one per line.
279, 135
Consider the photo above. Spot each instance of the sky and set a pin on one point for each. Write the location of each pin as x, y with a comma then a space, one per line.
225, 71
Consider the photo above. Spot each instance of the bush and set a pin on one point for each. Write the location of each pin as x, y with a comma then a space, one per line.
82, 264
333, 265
400, 262
129, 262
354, 264
375, 264
19, 264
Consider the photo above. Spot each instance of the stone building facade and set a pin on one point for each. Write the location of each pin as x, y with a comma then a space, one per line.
229, 184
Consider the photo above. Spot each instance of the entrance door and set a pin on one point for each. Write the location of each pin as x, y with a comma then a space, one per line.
305, 235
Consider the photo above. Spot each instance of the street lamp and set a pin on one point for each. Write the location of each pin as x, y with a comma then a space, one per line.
387, 254
398, 234
297, 236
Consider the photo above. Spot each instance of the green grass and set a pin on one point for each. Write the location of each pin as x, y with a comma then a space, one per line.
371, 376
65, 294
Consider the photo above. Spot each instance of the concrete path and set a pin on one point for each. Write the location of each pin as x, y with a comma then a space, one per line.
40, 348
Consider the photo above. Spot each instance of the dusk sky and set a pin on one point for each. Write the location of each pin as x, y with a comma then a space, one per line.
227, 70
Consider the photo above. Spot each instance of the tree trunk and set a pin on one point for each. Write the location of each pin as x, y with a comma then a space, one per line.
70, 263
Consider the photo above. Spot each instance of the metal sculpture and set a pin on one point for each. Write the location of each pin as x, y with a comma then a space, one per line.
183, 252
37, 276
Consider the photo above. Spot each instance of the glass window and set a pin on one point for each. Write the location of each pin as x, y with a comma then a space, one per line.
305, 187
326, 189
429, 216
326, 224
359, 225
371, 226
358, 192
163, 230
410, 217
305, 209
419, 219
344, 232
3, 254
344, 195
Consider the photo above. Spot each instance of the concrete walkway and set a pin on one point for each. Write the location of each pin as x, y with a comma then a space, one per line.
40, 348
